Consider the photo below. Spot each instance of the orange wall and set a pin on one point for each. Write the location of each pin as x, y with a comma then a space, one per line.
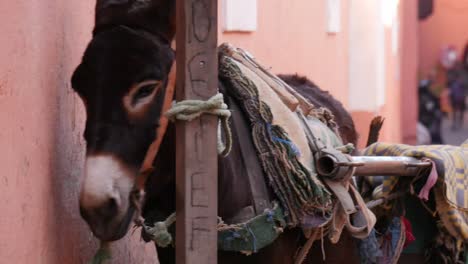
448, 25
400, 109
391, 110
41, 145
409, 68
291, 38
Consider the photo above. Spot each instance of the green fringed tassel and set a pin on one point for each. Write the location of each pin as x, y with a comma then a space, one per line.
102, 255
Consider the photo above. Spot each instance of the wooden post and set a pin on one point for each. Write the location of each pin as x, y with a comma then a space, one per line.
197, 172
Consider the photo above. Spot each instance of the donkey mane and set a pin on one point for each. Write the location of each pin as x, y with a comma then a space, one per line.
322, 98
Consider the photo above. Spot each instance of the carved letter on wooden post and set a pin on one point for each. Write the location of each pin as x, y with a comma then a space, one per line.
197, 183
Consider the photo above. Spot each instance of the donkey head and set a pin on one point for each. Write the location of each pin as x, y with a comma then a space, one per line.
121, 80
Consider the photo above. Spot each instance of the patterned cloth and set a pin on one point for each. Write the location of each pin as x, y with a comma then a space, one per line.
384, 248
273, 128
369, 249
451, 190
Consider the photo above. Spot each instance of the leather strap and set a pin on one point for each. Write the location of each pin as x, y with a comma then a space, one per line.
341, 191
344, 192
257, 184
147, 166
363, 219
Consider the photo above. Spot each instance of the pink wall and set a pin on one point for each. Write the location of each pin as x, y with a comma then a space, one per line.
400, 109
447, 26
291, 38
409, 67
42, 149
391, 110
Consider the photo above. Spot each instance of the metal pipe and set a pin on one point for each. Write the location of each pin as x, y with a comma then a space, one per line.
389, 166
329, 165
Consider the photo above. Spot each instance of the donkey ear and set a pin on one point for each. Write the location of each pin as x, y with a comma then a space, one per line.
157, 16
165, 12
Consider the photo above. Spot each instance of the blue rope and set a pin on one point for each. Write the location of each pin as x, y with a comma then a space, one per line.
291, 145
254, 239
395, 228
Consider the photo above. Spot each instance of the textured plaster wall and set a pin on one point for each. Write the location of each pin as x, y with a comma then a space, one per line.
409, 70
401, 58
40, 137
291, 37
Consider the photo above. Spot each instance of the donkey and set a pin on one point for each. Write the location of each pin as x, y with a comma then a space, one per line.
121, 81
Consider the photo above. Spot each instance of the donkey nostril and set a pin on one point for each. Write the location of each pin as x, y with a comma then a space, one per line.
107, 210
111, 207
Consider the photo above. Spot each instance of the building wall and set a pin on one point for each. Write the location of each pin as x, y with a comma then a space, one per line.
409, 69
446, 26
291, 37
400, 56
370, 65
42, 147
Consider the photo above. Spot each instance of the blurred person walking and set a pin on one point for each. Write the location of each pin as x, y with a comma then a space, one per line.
430, 113
457, 83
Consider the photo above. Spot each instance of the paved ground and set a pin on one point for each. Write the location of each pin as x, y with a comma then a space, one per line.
454, 137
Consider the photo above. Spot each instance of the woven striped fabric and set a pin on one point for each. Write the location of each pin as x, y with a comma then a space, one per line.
279, 139
451, 190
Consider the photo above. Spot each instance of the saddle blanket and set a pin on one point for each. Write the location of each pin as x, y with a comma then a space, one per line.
281, 122
451, 188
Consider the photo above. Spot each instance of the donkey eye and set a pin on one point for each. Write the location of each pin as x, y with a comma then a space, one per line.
140, 96
145, 91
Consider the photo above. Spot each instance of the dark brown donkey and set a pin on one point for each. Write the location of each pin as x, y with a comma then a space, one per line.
122, 80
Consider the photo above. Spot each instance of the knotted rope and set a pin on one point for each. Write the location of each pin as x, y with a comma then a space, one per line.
159, 232
188, 110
